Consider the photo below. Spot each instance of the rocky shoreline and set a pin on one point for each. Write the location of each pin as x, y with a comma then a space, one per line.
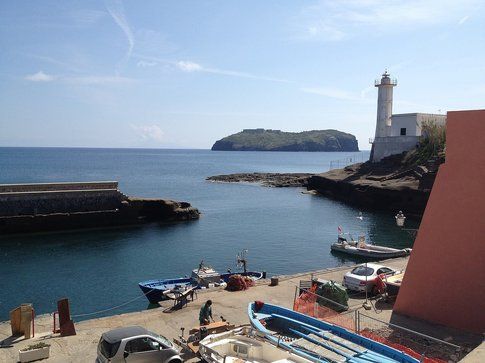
276, 180
388, 185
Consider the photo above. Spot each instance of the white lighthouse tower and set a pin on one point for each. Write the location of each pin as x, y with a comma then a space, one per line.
384, 105
396, 134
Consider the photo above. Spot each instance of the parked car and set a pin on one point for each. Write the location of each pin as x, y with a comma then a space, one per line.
363, 277
136, 344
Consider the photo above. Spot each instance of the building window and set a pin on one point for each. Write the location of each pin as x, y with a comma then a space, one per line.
403, 131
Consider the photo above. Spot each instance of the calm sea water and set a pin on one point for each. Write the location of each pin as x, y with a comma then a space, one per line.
284, 230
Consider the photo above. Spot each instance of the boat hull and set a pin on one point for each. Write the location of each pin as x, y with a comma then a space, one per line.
382, 253
154, 289
291, 322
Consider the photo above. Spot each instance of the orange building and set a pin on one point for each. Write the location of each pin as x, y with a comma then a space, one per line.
445, 277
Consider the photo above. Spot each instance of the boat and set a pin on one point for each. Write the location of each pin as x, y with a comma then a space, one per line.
362, 249
243, 345
203, 277
317, 340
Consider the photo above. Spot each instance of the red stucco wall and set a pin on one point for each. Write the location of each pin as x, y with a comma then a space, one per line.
445, 278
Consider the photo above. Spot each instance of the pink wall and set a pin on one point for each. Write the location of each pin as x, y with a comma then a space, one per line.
445, 277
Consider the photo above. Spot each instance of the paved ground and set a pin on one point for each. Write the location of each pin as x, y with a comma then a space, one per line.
231, 305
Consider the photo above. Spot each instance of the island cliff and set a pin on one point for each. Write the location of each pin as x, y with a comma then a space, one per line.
276, 140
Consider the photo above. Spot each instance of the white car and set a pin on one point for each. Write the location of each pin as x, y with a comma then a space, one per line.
136, 344
363, 277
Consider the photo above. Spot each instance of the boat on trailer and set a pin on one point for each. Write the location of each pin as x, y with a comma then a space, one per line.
243, 345
317, 340
362, 249
203, 277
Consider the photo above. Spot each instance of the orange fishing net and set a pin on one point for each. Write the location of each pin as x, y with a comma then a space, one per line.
307, 304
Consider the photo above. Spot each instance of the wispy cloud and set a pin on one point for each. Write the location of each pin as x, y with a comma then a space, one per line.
117, 12
463, 20
40, 77
337, 20
145, 64
189, 66
149, 132
78, 80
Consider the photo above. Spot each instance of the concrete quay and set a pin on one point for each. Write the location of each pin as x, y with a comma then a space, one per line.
231, 305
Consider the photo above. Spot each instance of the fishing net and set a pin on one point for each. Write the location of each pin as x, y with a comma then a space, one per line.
239, 283
308, 303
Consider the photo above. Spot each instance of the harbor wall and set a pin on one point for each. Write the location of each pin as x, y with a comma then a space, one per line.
25, 203
58, 206
46, 187
444, 278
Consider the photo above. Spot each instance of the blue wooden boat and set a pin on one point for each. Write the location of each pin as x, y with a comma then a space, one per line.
204, 277
317, 340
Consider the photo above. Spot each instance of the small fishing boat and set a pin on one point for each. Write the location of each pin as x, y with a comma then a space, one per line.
243, 345
203, 277
362, 249
317, 340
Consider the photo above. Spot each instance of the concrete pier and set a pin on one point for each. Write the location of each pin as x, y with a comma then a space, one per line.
231, 305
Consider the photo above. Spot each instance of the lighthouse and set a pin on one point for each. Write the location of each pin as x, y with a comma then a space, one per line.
384, 105
396, 134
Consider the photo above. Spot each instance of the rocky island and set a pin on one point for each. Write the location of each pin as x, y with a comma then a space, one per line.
276, 140
27, 208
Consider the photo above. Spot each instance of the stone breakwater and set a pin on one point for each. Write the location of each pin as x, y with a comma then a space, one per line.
387, 185
26, 208
266, 179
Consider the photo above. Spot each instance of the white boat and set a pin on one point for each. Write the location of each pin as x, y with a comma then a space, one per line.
243, 345
360, 248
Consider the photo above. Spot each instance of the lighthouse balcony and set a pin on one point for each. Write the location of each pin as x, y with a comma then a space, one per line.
385, 81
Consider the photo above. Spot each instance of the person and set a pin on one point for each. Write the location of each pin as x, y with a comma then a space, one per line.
205, 314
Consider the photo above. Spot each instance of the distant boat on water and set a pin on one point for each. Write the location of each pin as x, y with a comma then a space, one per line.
362, 249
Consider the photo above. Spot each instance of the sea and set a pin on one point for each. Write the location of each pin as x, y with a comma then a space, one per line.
284, 230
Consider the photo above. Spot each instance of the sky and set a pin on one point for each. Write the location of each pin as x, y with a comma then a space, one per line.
183, 74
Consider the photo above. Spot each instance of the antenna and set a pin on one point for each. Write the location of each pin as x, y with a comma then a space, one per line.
241, 260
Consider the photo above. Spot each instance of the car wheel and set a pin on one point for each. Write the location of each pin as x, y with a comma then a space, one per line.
175, 361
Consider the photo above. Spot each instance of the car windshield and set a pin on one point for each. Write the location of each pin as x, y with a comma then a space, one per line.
164, 340
363, 271
108, 350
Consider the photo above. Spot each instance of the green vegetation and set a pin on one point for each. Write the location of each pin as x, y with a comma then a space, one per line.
36, 346
432, 144
276, 140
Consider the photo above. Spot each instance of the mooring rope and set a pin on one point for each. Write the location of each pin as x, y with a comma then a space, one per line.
112, 308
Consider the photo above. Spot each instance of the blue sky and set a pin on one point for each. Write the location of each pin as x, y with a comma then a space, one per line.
182, 74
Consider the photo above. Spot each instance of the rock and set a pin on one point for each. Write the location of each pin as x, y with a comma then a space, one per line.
266, 179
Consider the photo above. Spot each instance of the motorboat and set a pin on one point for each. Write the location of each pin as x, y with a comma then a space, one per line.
203, 277
243, 345
318, 340
362, 249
